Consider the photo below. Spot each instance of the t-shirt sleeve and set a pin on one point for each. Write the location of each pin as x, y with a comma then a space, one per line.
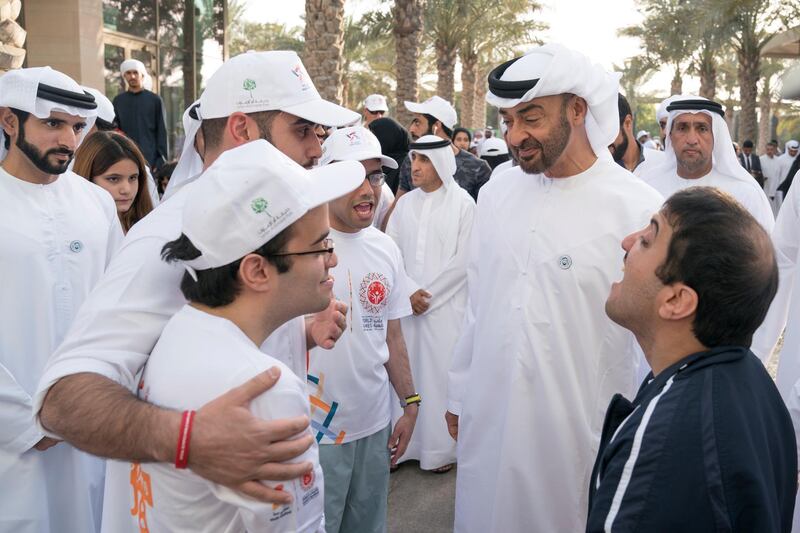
119, 323
286, 399
399, 304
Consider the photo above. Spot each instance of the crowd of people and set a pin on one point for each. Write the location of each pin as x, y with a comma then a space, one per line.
253, 337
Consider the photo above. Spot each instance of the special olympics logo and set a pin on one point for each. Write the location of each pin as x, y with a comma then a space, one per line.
373, 292
307, 480
353, 138
299, 72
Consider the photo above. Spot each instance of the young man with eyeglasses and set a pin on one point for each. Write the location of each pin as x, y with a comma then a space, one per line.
239, 290
349, 384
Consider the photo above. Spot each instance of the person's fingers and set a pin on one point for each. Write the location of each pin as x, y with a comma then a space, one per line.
253, 387
284, 450
274, 434
340, 306
261, 492
393, 438
283, 471
426, 294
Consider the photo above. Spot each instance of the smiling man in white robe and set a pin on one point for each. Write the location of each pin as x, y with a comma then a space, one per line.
699, 152
538, 359
57, 233
432, 226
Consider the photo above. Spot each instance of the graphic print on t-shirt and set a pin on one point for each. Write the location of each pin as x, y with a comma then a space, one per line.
328, 411
373, 295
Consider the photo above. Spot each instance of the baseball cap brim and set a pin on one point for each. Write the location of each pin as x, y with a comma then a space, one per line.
417, 107
323, 112
362, 156
334, 181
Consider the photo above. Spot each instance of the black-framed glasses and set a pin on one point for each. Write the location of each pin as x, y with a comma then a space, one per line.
377, 178
326, 250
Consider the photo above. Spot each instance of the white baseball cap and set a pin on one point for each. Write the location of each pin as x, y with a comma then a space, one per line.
376, 102
641, 134
250, 194
355, 143
437, 107
492, 146
269, 81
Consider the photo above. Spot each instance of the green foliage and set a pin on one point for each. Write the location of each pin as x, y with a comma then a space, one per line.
247, 35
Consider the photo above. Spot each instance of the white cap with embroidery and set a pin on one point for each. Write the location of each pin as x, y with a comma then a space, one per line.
355, 143
437, 107
250, 194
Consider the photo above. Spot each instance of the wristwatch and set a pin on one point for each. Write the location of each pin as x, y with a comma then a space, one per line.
414, 398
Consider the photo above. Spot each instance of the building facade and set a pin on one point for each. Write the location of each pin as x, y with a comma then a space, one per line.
181, 42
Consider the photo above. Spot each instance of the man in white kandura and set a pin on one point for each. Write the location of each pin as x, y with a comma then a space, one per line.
432, 226
87, 392
254, 243
699, 152
538, 358
57, 233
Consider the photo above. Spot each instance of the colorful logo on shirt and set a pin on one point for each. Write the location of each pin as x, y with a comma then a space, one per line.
307, 481
76, 246
142, 495
259, 205
373, 292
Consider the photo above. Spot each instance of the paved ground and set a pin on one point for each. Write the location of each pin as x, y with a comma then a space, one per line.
421, 502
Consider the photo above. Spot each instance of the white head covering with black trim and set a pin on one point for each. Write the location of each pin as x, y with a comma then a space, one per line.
105, 109
554, 69
440, 152
40, 91
724, 159
190, 164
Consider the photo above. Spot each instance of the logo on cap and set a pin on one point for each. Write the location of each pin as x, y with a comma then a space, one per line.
297, 70
249, 85
259, 205
353, 138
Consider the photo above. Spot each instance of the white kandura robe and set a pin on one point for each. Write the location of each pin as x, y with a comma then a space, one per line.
432, 231
538, 360
747, 191
55, 242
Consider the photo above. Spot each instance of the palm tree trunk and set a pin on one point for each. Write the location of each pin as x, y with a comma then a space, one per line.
407, 32
469, 73
445, 70
324, 40
765, 110
749, 65
708, 77
676, 87
481, 86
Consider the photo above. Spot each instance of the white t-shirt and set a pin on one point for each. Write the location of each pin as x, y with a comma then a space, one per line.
348, 385
383, 204
198, 357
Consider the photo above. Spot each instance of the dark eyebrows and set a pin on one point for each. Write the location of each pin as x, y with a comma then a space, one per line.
58, 121
322, 237
654, 223
302, 121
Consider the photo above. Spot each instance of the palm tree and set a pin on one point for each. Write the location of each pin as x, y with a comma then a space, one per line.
407, 30
751, 23
499, 28
447, 23
324, 40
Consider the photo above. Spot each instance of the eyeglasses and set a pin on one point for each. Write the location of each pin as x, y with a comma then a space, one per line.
376, 179
327, 250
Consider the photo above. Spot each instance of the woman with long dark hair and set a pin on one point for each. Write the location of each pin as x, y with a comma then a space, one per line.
114, 162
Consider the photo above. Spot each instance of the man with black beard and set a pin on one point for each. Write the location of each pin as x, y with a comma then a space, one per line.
626, 150
524, 390
57, 233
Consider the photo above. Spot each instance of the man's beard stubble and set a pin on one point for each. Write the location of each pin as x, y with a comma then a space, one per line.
549, 150
39, 159
619, 151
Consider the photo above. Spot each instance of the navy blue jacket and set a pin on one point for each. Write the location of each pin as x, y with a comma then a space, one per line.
706, 446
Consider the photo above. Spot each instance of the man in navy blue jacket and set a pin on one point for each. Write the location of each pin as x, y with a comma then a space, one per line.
707, 444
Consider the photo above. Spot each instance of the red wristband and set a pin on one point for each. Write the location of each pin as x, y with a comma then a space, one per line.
184, 435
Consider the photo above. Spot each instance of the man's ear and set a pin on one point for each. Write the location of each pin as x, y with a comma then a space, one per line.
9, 122
579, 108
239, 129
628, 123
255, 272
677, 301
